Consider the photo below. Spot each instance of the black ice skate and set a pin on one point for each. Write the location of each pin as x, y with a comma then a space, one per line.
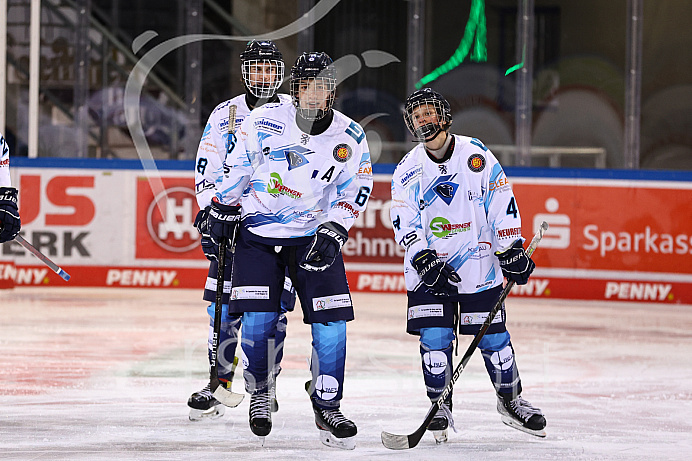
260, 415
442, 420
203, 405
519, 414
335, 429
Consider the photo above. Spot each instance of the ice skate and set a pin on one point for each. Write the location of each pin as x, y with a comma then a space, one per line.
441, 421
260, 415
203, 405
519, 414
335, 429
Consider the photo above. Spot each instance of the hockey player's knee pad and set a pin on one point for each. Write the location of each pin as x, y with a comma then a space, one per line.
436, 338
494, 342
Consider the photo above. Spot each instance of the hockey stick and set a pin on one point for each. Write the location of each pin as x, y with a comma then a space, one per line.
223, 395
44, 259
402, 442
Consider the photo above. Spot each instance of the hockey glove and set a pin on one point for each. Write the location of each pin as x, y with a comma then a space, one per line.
516, 264
325, 247
223, 222
438, 276
210, 250
10, 224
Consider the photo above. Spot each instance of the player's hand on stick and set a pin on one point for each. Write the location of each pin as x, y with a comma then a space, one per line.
516, 264
437, 275
10, 224
325, 247
202, 224
223, 222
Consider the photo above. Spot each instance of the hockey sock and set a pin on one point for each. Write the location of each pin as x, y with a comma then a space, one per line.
327, 363
498, 355
436, 359
259, 329
279, 337
228, 341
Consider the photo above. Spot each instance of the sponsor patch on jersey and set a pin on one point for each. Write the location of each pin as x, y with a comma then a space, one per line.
425, 310
342, 153
512, 232
410, 175
331, 302
442, 228
250, 292
275, 186
477, 318
476, 163
269, 125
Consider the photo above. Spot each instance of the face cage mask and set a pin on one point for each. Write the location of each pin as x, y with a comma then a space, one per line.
254, 84
429, 131
314, 114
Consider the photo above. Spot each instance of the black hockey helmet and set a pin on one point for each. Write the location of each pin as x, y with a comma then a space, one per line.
434, 100
261, 52
316, 66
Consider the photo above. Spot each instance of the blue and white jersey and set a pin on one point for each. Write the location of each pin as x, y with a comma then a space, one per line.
4, 163
214, 145
463, 208
289, 182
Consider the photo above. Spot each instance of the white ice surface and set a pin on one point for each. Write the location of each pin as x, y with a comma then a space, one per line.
104, 374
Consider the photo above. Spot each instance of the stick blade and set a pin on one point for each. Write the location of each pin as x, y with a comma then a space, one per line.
395, 442
227, 397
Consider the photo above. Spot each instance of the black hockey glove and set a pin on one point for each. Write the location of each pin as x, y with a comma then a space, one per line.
223, 222
435, 274
325, 247
516, 264
10, 224
210, 250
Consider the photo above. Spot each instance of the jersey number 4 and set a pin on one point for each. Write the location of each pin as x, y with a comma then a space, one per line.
512, 208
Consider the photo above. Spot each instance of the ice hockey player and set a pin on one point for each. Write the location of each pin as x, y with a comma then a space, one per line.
454, 211
262, 69
10, 224
300, 174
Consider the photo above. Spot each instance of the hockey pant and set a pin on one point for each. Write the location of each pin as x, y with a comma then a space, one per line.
228, 341
436, 358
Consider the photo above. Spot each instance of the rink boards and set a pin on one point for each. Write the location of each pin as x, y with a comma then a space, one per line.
614, 235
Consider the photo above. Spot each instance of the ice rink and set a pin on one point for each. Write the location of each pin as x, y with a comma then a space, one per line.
95, 374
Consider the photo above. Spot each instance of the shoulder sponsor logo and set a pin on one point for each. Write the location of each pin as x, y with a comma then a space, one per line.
426, 310
269, 125
331, 302
410, 175
500, 184
476, 163
342, 153
512, 232
5, 163
250, 292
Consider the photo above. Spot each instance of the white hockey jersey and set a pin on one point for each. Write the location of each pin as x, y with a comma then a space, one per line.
463, 208
214, 145
289, 182
4, 163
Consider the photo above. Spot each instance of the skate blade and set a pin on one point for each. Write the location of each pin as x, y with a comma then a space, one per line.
515, 425
211, 413
440, 436
347, 443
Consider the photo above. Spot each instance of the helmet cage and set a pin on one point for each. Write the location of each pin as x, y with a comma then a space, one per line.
253, 73
431, 99
317, 87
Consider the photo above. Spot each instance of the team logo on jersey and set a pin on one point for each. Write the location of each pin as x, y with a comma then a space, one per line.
476, 163
304, 139
442, 228
443, 169
295, 159
342, 153
276, 187
446, 191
